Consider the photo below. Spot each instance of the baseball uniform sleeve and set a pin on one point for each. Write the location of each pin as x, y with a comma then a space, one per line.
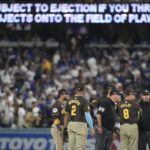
102, 108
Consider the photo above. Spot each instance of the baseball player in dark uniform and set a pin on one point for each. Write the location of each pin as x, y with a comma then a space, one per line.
58, 112
144, 122
106, 119
129, 111
78, 110
95, 102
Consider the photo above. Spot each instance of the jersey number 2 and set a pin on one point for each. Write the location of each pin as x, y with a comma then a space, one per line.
73, 111
126, 114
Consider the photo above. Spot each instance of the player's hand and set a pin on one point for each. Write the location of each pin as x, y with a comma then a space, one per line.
114, 136
92, 132
100, 129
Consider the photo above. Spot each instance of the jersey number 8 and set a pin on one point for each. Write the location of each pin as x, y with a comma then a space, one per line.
126, 114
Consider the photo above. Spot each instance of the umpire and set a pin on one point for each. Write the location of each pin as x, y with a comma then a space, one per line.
78, 110
144, 122
106, 119
58, 112
129, 111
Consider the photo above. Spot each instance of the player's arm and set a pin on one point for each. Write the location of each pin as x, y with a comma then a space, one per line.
139, 113
89, 120
55, 113
93, 105
87, 114
139, 110
88, 117
99, 120
66, 117
100, 112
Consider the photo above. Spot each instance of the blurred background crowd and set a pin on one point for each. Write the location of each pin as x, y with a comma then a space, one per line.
31, 74
85, 1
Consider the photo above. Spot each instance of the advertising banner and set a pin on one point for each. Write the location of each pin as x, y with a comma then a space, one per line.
36, 139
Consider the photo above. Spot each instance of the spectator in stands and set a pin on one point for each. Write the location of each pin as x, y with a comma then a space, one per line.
21, 115
73, 61
29, 119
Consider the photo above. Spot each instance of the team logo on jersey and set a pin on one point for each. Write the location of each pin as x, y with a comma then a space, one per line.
102, 109
55, 110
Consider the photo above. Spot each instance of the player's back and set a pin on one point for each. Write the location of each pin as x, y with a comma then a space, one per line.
76, 106
128, 111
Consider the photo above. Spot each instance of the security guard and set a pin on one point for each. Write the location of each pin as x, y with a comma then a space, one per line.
106, 119
58, 111
78, 110
144, 122
129, 111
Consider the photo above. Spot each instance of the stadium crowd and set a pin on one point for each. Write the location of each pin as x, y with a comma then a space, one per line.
31, 77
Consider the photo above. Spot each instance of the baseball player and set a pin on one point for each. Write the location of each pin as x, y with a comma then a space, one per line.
58, 111
78, 110
129, 111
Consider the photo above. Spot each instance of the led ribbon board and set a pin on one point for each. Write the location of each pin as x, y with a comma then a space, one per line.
74, 13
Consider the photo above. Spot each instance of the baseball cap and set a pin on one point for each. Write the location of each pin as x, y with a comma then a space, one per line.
62, 92
108, 88
129, 91
79, 87
114, 91
145, 92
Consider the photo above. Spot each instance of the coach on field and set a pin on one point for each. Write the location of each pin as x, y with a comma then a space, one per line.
144, 122
106, 119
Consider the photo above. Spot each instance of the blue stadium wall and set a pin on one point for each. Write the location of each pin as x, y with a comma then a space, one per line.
35, 139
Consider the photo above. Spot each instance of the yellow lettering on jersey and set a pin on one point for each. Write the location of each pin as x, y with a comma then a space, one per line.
56, 121
74, 102
63, 111
125, 105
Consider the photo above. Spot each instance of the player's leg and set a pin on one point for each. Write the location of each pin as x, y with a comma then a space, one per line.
142, 140
72, 137
134, 137
148, 137
109, 140
124, 137
81, 136
58, 137
101, 140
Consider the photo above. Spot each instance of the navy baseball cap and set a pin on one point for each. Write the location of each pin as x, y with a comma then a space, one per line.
145, 92
108, 88
114, 91
79, 87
